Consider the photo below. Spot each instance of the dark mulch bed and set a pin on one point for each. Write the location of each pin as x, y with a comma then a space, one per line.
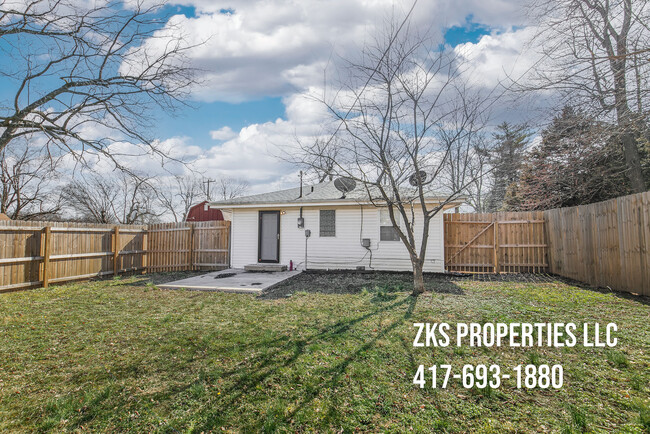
352, 282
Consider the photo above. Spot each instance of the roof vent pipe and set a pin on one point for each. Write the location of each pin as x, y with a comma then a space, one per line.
300, 185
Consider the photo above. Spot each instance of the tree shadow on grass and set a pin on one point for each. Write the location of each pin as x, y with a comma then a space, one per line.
543, 278
642, 299
336, 372
269, 358
270, 362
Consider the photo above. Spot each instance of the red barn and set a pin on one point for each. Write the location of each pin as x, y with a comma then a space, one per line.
201, 213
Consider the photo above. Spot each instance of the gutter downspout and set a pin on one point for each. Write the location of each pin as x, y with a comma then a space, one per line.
232, 219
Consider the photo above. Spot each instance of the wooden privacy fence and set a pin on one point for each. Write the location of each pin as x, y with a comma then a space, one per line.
40, 253
604, 244
188, 246
504, 242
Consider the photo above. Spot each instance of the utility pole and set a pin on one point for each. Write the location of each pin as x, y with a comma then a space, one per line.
208, 181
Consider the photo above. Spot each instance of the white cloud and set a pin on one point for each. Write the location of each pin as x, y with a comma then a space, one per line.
162, 158
224, 133
506, 60
254, 153
285, 47
279, 47
499, 57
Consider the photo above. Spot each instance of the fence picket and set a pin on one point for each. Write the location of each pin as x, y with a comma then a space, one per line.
604, 244
40, 253
470, 247
611, 243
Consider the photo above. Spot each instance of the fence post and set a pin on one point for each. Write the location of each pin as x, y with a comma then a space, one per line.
496, 247
191, 247
145, 252
47, 234
116, 250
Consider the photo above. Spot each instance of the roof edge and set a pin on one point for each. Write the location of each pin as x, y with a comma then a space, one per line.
340, 202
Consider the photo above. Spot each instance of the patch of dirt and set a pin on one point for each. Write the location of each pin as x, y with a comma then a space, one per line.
224, 275
511, 277
169, 276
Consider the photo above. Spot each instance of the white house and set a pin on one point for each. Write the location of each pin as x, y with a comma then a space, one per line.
322, 228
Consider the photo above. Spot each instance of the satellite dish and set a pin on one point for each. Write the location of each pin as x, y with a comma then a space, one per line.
345, 185
418, 178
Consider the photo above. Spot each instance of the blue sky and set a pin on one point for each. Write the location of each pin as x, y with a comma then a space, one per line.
197, 122
469, 32
262, 59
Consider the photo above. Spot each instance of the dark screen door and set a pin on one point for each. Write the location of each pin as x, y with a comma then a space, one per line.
269, 237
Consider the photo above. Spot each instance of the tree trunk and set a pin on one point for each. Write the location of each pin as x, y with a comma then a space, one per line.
418, 279
626, 122
633, 162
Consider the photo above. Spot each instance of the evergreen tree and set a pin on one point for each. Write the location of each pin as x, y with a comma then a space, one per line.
576, 163
506, 159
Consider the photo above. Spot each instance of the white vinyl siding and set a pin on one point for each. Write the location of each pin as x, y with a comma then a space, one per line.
344, 251
244, 226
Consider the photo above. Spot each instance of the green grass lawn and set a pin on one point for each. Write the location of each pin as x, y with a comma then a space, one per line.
121, 355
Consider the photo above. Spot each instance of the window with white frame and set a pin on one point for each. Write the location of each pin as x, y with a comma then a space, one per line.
327, 223
386, 230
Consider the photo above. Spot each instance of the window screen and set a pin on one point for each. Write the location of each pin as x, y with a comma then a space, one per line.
386, 230
327, 223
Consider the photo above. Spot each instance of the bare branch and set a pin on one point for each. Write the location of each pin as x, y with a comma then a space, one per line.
26, 188
595, 54
404, 109
86, 77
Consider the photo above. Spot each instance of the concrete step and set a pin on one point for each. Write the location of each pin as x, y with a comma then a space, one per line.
265, 267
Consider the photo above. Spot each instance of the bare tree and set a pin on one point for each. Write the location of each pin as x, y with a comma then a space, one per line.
466, 167
596, 53
27, 190
83, 77
394, 112
118, 198
480, 184
177, 195
227, 188
320, 162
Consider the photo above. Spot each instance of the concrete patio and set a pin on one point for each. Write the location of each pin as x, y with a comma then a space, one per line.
232, 280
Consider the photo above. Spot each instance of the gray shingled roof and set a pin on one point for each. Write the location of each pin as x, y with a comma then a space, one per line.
324, 192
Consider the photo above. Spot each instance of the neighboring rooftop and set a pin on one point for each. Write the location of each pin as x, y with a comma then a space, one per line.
201, 213
318, 193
